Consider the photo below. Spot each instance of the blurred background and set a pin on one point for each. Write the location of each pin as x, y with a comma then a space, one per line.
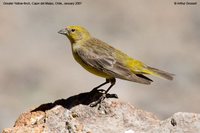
36, 64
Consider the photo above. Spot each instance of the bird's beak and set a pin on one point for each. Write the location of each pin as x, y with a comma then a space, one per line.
63, 31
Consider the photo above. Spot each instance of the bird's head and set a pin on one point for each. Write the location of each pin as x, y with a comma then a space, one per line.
75, 33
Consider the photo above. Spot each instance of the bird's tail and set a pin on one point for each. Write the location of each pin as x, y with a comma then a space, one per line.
160, 73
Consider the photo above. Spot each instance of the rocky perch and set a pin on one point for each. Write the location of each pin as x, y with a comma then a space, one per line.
74, 115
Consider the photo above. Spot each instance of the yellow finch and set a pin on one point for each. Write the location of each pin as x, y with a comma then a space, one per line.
105, 61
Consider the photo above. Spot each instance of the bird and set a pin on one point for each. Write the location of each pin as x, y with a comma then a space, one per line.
102, 59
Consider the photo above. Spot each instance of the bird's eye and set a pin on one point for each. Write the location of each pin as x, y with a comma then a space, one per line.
73, 30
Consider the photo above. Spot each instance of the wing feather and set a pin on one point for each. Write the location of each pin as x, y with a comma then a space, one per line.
103, 60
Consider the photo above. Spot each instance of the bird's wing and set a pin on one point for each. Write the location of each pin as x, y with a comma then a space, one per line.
103, 61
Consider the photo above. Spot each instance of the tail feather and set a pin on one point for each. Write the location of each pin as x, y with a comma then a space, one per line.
161, 73
144, 77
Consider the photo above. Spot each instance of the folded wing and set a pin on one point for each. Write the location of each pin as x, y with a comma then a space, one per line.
102, 60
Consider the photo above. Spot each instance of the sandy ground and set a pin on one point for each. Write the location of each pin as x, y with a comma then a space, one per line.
36, 64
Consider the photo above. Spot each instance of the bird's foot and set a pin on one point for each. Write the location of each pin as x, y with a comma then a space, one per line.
99, 101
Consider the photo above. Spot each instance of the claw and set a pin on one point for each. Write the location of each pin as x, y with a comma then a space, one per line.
104, 92
99, 101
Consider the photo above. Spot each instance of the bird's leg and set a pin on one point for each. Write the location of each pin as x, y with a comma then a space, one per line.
112, 81
96, 88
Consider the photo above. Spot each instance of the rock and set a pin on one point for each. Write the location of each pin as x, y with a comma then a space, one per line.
74, 115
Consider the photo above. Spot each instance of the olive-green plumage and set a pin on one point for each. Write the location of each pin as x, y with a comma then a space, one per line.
104, 60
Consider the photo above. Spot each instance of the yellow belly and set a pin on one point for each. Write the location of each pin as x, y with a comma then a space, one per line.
90, 68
